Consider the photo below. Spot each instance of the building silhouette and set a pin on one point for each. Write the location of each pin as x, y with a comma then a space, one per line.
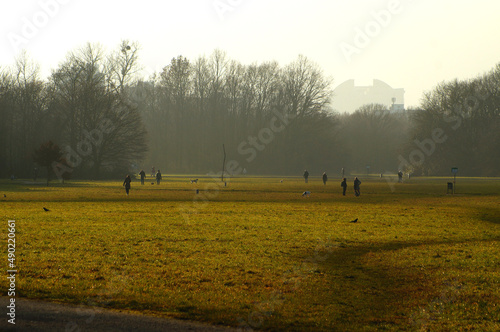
348, 97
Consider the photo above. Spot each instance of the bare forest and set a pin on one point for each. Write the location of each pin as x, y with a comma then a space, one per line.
96, 117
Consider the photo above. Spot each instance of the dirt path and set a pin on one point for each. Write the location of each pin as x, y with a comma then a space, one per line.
35, 315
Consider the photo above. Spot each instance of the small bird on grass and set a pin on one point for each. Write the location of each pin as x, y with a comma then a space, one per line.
45, 209
355, 220
4, 195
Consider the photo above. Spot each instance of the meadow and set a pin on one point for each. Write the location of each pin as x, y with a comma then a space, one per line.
257, 255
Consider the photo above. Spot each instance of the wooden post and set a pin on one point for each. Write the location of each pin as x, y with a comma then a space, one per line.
223, 163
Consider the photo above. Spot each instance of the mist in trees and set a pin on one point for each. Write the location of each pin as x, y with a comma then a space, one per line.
373, 137
272, 119
23, 106
467, 115
103, 128
83, 108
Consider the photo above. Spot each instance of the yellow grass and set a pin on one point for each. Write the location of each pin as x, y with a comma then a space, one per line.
256, 254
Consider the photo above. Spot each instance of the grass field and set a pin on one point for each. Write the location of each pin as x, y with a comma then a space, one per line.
255, 254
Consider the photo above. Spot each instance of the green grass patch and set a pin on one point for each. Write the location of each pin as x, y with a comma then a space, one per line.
256, 254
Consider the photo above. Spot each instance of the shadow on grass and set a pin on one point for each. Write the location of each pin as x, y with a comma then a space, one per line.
365, 292
359, 292
489, 215
23, 185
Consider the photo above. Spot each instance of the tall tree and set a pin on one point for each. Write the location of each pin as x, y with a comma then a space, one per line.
101, 126
29, 111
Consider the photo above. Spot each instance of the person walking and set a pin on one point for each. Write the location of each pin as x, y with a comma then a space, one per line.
126, 183
356, 186
306, 175
143, 175
325, 178
158, 177
344, 186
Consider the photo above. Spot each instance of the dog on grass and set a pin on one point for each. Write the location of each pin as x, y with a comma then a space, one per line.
306, 194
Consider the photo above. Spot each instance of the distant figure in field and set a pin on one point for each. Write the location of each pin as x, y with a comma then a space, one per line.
143, 176
344, 186
153, 172
356, 186
400, 176
325, 178
306, 175
35, 174
158, 177
126, 183
244, 171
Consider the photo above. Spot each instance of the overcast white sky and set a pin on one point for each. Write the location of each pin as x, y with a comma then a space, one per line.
413, 44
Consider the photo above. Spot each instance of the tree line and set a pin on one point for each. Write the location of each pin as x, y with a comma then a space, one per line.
106, 120
458, 125
271, 120
82, 109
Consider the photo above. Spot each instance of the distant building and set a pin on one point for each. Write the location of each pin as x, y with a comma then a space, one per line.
347, 97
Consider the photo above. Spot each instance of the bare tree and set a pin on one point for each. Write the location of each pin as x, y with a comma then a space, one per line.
123, 65
467, 115
103, 129
29, 111
304, 87
7, 129
177, 88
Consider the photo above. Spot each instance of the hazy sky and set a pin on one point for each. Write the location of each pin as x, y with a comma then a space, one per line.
410, 44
